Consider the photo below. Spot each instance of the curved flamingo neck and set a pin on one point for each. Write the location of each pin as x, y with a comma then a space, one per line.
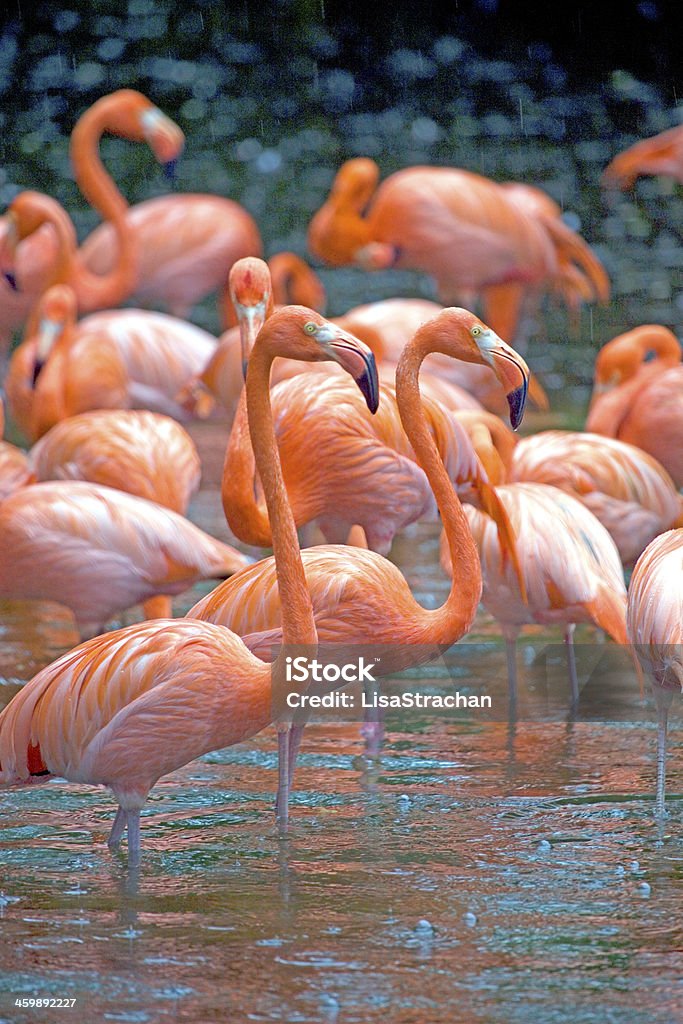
94, 290
453, 619
298, 623
662, 342
64, 269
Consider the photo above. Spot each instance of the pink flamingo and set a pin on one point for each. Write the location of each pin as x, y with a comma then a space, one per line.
654, 620
36, 263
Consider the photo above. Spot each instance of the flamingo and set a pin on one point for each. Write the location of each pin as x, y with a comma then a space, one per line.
640, 400
358, 596
31, 254
140, 452
661, 154
569, 564
389, 490
654, 620
458, 227
631, 494
126, 708
120, 359
98, 551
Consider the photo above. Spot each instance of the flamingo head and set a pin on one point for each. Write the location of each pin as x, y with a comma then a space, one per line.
296, 332
57, 312
251, 293
139, 120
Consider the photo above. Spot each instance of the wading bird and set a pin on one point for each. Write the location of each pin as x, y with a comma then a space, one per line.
120, 359
655, 627
359, 597
99, 551
140, 452
459, 227
126, 708
638, 394
33, 257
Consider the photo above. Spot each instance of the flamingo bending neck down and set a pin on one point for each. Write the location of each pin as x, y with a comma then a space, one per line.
33, 257
156, 695
359, 597
461, 228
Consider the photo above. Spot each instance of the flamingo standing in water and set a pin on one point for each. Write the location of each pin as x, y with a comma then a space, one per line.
459, 227
661, 154
569, 565
640, 399
99, 551
359, 597
126, 708
31, 253
121, 359
655, 627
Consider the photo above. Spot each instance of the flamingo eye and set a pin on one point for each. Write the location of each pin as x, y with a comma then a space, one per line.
476, 331
310, 327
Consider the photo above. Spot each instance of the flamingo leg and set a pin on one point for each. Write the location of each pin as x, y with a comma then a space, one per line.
373, 724
511, 655
663, 700
158, 607
295, 736
571, 663
133, 821
117, 829
282, 800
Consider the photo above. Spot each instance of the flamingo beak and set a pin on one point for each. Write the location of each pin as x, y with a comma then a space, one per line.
358, 360
251, 319
511, 371
7, 252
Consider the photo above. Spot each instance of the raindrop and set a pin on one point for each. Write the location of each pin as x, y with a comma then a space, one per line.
644, 890
424, 927
470, 919
634, 866
544, 846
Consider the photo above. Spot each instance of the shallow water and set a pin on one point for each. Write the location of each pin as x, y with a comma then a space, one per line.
484, 867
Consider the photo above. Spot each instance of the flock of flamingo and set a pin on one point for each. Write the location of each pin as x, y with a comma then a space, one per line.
93, 514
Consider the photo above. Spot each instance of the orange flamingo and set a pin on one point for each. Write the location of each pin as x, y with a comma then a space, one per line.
120, 359
640, 400
654, 620
661, 154
358, 596
631, 494
457, 226
140, 452
98, 551
39, 261
390, 489
153, 696
569, 565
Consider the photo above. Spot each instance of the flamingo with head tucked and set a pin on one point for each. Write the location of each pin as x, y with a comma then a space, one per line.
638, 394
126, 708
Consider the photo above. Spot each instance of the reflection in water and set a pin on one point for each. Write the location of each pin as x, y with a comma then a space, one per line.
482, 868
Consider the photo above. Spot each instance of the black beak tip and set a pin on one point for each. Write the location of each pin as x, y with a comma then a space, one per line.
170, 170
368, 382
11, 280
245, 363
37, 367
517, 403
